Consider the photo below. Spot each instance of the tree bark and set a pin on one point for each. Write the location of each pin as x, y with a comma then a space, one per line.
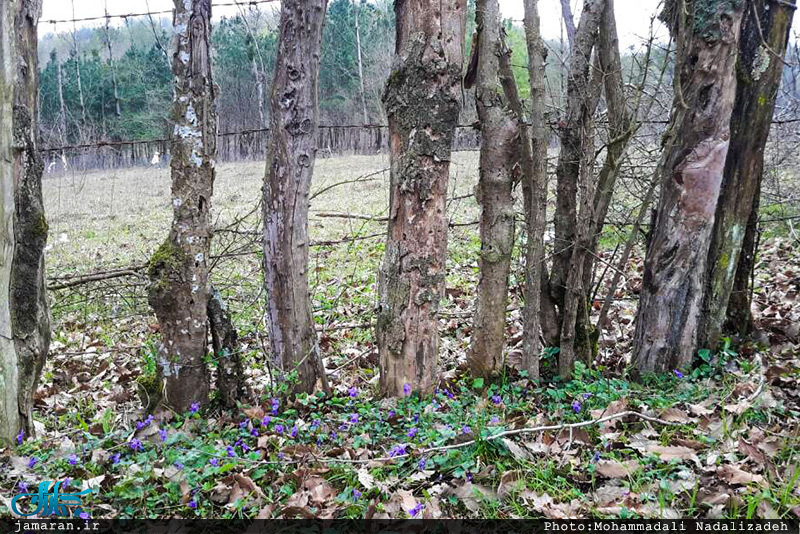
422, 100
764, 38
499, 171
77, 55
290, 162
569, 22
573, 138
24, 312
178, 270
534, 190
357, 12
117, 107
225, 341
691, 170
577, 334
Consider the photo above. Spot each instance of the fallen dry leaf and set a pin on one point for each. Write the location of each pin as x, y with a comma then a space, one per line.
734, 475
615, 469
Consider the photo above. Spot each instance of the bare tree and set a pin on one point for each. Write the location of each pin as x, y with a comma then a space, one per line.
691, 168
24, 313
764, 39
534, 188
422, 100
499, 171
111, 66
178, 270
569, 22
356, 13
294, 117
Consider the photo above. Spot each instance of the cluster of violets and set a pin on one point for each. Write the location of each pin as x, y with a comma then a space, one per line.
280, 428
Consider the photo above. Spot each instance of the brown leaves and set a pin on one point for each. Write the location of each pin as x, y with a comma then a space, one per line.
667, 453
615, 469
734, 475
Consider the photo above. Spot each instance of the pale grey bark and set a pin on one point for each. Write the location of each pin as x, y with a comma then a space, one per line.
24, 314
294, 117
360, 64
112, 67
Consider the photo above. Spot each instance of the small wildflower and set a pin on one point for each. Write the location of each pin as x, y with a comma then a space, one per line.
279, 429
398, 450
333, 435
390, 414
356, 494
135, 444
72, 459
497, 399
422, 463
677, 373
162, 434
353, 392
275, 404
214, 462
265, 420
32, 462
596, 457
245, 447
115, 458
230, 451
178, 465
586, 396
85, 515
243, 425
354, 418
192, 504
416, 510
65, 484
280, 456
412, 432
343, 426
576, 406
450, 394
195, 407
416, 418
466, 430
294, 431
21, 437
407, 389
470, 476
494, 420
22, 486
254, 432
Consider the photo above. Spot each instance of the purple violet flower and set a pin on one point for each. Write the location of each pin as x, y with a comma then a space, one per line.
230, 451
416, 510
22, 486
279, 429
354, 418
353, 392
466, 430
265, 420
254, 432
398, 450
192, 504
494, 420
214, 462
294, 431
115, 458
178, 465
422, 464
32, 462
497, 399
576, 406
406, 389
195, 407
135, 444
412, 432
677, 373
85, 515
163, 435
72, 459
21, 437
356, 494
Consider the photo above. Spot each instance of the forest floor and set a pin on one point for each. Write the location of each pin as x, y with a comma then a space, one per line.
722, 441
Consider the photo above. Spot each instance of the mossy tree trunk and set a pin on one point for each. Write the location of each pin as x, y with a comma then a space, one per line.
178, 270
764, 38
499, 171
24, 313
422, 100
691, 168
294, 117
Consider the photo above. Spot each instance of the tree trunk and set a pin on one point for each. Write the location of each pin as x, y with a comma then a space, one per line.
739, 316
117, 107
290, 162
534, 190
577, 335
691, 170
569, 22
179, 268
24, 313
62, 110
225, 341
573, 138
260, 90
499, 171
759, 75
422, 100
360, 65
77, 53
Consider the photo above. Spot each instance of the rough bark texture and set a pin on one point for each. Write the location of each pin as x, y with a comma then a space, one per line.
179, 268
290, 164
534, 190
739, 316
759, 70
499, 170
707, 33
569, 22
422, 100
225, 340
573, 139
24, 314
